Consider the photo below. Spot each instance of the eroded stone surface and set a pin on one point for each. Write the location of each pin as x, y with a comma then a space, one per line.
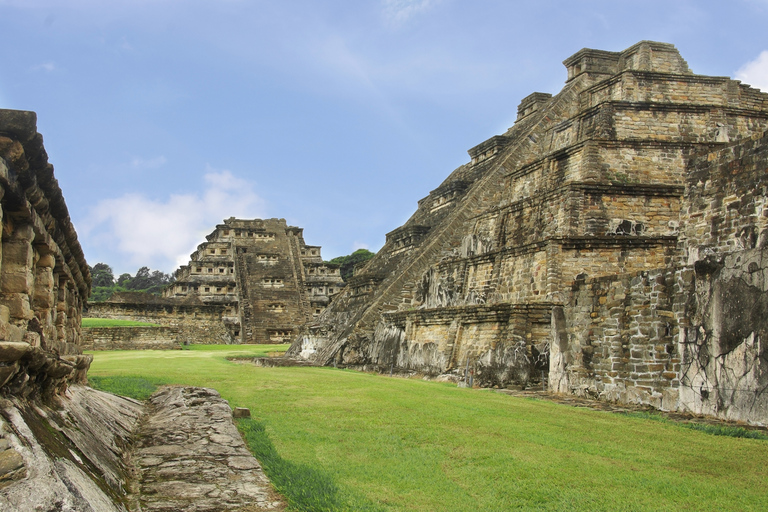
192, 457
72, 455
77, 454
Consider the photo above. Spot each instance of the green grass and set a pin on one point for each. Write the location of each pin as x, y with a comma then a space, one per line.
109, 322
139, 388
306, 488
715, 430
360, 441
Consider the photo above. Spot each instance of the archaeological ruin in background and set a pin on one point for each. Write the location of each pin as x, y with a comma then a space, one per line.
251, 281
613, 240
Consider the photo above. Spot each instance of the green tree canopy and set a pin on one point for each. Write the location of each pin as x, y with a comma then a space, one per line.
347, 263
145, 280
101, 275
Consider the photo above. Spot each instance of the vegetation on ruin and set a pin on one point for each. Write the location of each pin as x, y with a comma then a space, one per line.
109, 322
373, 442
347, 263
104, 284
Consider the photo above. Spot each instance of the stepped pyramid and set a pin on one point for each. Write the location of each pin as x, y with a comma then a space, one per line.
569, 249
269, 280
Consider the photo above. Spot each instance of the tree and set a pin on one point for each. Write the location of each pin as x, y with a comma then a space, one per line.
347, 263
101, 275
140, 281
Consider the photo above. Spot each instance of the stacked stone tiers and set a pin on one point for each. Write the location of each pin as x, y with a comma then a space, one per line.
596, 188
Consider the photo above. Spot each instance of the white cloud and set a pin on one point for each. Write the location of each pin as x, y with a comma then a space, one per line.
151, 163
398, 12
162, 233
359, 245
755, 73
45, 66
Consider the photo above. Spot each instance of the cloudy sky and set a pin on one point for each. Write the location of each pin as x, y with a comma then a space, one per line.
163, 117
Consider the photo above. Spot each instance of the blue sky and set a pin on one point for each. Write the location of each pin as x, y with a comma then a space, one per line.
163, 117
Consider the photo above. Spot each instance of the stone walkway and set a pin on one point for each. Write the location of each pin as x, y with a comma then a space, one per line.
193, 459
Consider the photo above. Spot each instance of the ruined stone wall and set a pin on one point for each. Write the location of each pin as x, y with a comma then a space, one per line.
133, 338
615, 340
44, 279
182, 324
492, 342
724, 283
689, 335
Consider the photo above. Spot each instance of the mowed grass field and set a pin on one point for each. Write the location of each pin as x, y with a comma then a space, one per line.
109, 322
399, 444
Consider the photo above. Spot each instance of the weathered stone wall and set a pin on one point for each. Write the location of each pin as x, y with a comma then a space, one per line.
182, 324
90, 451
616, 340
70, 454
134, 338
724, 283
492, 342
689, 335
44, 279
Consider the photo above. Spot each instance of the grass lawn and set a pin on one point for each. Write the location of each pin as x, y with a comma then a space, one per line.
398, 444
109, 322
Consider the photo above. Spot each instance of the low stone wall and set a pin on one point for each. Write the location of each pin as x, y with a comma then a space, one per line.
179, 324
132, 338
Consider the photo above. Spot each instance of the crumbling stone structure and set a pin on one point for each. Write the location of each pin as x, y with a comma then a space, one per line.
44, 279
611, 240
269, 281
177, 323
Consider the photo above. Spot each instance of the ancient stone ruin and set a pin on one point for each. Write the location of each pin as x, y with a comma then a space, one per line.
251, 281
63, 446
44, 279
609, 244
270, 281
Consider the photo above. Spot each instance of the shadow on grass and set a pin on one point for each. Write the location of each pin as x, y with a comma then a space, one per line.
306, 489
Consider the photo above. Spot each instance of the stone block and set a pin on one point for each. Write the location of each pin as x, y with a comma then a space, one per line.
241, 412
18, 305
47, 261
12, 351
14, 332
16, 282
19, 123
43, 300
7, 371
